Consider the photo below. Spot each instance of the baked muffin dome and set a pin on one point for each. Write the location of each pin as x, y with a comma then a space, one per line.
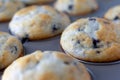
113, 13
92, 39
76, 7
10, 49
47, 65
8, 8
38, 22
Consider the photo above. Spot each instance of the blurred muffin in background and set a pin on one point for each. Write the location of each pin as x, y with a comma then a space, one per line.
8, 8
10, 49
113, 14
38, 22
76, 7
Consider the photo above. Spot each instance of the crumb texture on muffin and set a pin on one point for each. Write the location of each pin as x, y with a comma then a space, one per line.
76, 7
10, 49
38, 22
8, 8
92, 39
47, 65
113, 13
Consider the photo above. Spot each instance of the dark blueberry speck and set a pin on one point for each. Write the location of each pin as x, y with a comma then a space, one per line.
106, 22
73, 39
116, 18
79, 29
92, 19
95, 43
70, 7
108, 43
25, 39
93, 10
67, 63
13, 49
75, 63
78, 42
55, 28
98, 52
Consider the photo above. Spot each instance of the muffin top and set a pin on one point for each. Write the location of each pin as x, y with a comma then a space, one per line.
8, 8
47, 65
76, 7
113, 13
38, 22
92, 39
10, 49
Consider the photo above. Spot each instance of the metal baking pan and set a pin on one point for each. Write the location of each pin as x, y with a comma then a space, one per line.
99, 71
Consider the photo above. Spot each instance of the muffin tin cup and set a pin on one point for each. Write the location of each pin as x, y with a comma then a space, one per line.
95, 63
100, 64
92, 75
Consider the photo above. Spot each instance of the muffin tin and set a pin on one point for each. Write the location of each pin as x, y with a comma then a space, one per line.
98, 71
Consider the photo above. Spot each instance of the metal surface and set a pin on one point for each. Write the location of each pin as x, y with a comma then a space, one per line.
100, 71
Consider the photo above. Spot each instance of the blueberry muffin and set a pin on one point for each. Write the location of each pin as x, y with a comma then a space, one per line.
36, 1
47, 65
38, 22
113, 13
93, 40
8, 9
10, 49
76, 7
